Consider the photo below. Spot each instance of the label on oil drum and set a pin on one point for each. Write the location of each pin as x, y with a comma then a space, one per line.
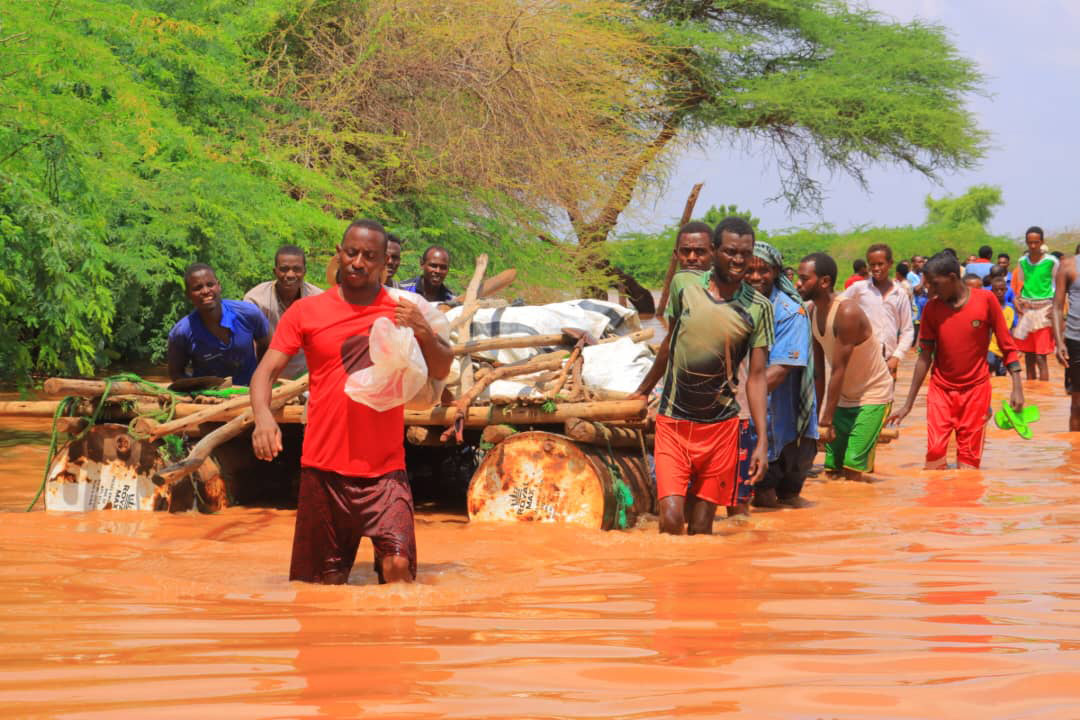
537, 477
93, 485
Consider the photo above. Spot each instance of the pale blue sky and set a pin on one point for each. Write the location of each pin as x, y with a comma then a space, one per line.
1030, 52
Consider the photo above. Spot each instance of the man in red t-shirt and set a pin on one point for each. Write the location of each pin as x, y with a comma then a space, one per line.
353, 481
955, 337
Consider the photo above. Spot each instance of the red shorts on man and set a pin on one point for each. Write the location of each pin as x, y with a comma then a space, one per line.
964, 412
699, 459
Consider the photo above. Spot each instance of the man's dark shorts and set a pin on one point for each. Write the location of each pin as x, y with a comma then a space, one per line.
1072, 373
787, 473
335, 511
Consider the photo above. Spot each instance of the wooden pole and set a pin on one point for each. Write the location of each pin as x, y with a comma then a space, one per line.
217, 412
688, 212
467, 311
93, 388
223, 434
497, 282
530, 414
585, 431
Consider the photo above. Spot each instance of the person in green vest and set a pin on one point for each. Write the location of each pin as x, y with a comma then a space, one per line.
1034, 332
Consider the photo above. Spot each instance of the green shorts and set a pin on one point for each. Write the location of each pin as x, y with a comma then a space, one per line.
857, 430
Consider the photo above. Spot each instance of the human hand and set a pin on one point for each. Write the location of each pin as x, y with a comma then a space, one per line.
893, 363
407, 314
898, 416
266, 440
759, 461
826, 433
1062, 355
1016, 398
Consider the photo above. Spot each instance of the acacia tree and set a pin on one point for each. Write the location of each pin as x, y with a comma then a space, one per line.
825, 86
537, 100
570, 107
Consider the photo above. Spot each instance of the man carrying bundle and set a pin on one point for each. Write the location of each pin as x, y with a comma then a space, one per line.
955, 338
353, 481
716, 319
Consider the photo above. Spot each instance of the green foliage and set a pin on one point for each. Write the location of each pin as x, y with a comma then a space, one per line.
905, 241
976, 206
821, 81
130, 147
646, 255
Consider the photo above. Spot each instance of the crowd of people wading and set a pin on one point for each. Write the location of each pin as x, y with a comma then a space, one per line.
739, 385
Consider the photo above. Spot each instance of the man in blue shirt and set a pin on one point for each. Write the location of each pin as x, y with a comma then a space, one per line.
792, 412
223, 338
429, 284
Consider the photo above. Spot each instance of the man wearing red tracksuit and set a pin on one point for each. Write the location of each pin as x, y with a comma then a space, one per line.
955, 337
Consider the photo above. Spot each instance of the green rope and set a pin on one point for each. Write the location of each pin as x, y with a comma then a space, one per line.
61, 407
624, 496
67, 405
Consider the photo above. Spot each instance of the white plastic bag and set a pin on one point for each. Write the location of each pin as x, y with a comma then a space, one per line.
398, 370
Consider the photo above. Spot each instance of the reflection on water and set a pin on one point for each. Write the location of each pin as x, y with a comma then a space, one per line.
947, 594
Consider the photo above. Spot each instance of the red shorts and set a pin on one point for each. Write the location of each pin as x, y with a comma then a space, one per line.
699, 459
335, 511
962, 411
1040, 342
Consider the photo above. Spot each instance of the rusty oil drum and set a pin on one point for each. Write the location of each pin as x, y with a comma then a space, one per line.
544, 477
108, 469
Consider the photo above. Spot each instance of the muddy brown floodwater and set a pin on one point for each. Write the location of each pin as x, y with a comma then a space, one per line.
946, 594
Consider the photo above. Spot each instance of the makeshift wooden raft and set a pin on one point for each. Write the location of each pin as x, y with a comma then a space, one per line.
118, 430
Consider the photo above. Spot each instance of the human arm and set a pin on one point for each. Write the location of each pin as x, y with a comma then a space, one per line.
266, 438
656, 371
755, 396
1061, 283
1009, 353
436, 351
918, 375
261, 346
850, 328
819, 373
776, 374
1018, 288
177, 357
906, 323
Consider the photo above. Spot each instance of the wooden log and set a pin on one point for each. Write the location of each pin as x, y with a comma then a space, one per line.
220, 412
497, 283
94, 388
530, 415
223, 434
467, 311
495, 434
47, 408
508, 343
593, 433
688, 212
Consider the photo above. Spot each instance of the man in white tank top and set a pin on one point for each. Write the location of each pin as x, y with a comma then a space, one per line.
856, 402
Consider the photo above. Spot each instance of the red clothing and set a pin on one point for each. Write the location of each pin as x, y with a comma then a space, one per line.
699, 459
1040, 342
960, 339
962, 411
854, 279
342, 436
